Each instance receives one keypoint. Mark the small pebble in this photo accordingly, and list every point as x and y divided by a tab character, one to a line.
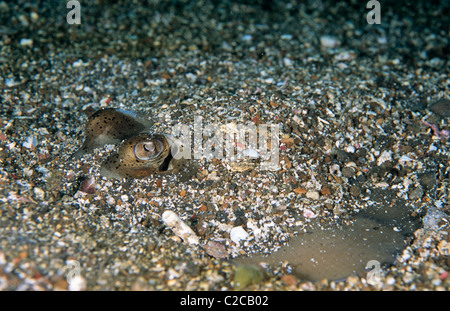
216	250
348	172
415	193
309	214
300	190
191	77
30	143
247	38
39	193
329	42
345	56
88	185
444	248
34	17
390	280
286	36
287	62
325	191
313	195
290	280
355	191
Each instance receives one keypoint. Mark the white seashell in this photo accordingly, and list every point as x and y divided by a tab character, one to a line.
287	62
237	234
404	159
78	63
350	149
30	143
335	170
385	156
179	227
26	42
247	38
351	164
297	120
382	184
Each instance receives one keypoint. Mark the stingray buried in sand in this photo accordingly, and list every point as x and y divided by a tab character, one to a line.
143	155
139	155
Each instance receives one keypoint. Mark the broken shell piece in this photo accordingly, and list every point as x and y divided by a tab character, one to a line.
110	126
238	233
179	227
405	159
385	156
88	185
335	170
30	143
143	155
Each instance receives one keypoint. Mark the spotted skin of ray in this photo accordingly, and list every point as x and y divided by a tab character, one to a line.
110	126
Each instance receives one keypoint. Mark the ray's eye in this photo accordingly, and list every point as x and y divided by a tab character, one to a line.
148	150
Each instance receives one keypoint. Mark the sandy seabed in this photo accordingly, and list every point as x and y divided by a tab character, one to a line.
361	108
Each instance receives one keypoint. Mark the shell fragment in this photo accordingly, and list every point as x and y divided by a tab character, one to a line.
179	227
